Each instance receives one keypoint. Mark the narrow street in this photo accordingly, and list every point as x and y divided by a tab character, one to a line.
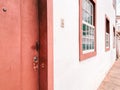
112	80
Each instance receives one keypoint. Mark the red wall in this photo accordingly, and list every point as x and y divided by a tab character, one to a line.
10	76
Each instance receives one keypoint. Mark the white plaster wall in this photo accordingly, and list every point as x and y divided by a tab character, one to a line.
69	72
118	25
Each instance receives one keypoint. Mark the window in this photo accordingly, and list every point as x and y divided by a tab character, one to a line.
113	37
107	35
87	29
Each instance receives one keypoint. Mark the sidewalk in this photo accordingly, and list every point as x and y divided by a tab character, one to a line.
112	80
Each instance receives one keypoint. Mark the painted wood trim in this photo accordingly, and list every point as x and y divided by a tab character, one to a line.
114	32
50	43
107	18
90	54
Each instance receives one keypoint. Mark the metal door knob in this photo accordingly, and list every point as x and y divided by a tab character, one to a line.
35	63
35	59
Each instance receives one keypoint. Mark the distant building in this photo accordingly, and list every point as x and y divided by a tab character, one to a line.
85	48
117	7
118	23
118	36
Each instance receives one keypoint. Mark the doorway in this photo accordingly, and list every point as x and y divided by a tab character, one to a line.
26	59
34	51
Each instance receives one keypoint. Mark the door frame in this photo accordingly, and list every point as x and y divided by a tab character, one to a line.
24	6
50	44
50	77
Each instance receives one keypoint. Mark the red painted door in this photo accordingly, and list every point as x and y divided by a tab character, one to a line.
23	29
29	38
42	9
34	44
10	41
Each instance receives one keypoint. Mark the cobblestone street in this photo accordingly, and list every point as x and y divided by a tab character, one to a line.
112	80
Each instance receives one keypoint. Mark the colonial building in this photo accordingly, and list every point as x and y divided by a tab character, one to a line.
56	44
84	49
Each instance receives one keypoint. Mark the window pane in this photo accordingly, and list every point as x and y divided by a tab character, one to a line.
83	3
84	33
107	40
87	30
83	46
87	27
89	8
92	44
84	27
87	47
89	18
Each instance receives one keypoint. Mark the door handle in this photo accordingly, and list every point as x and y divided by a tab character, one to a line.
37	46
35	59
35	63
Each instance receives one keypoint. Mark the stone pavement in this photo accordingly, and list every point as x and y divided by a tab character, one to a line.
112	80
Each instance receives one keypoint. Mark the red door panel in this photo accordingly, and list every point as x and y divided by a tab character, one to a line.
43	44
34	29
30	35
22	25
10	63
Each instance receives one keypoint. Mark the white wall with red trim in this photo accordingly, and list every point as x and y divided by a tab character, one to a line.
69	72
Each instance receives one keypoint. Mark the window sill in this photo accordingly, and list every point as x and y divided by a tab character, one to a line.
88	51
107	49
87	55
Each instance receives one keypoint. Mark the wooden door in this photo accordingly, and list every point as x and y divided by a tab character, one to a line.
10	52
42	9
29	40
23	29
34	44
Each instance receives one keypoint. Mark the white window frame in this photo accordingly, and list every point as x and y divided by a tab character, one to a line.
93	30
114	39
107	39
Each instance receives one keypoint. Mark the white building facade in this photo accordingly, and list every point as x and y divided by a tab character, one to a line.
84	43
